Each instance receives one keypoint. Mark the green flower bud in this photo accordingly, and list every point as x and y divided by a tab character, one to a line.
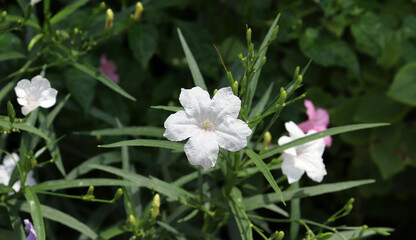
109	19
267	139
155	206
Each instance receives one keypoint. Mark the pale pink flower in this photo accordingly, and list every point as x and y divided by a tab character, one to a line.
303	158
317	120
108	68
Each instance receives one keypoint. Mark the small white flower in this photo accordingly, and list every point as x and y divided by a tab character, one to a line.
35	93
208	124
33	2
6	171
306	157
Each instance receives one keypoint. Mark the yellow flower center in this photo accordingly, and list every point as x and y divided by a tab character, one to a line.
207	125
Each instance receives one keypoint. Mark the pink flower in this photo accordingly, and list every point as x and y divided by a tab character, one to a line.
317	120
108	68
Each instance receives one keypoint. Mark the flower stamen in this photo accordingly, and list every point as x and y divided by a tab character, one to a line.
207	125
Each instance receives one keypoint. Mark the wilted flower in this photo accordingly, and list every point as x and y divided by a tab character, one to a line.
317	120
35	93
208	124
6	171
108	68
109	19
306	157
30	229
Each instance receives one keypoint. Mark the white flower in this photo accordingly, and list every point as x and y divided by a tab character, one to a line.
208	124
33	2
35	93
6	171
306	157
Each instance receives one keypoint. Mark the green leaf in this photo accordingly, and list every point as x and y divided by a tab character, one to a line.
7	235
102	159
368	31
375	106
386	149
263	200
63	218
172	230
23	126
147	131
147	143
81	86
102	78
328	52
9	55
404	84
352	234
35	212
264	169
258	109
196	74
142	42
54	185
168	108
240	216
294	214
34	40
328	132
252	84
10	42
68	10
171	191
11	112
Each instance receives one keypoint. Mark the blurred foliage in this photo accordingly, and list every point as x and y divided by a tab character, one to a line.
363	70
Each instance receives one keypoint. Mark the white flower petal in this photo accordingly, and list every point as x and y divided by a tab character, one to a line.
313	165
292	172
41	83
4	176
16	186
226	103
30	180
232	133
22	88
294	131
196	102
180	126
48	98
28	108
285	139
202	149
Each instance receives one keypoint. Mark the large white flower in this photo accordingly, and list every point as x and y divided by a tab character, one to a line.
208	124
306	157
35	93
6	171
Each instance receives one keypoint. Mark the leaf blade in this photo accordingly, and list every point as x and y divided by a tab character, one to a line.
265	171
328	132
196	74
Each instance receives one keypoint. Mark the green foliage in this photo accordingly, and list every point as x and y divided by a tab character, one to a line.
360	59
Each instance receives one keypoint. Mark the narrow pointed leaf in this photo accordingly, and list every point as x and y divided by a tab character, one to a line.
147	131
33	206
54	185
147	143
196	74
63	218
328	132
168	108
240	217
103	79
264	169
263	200
102	159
